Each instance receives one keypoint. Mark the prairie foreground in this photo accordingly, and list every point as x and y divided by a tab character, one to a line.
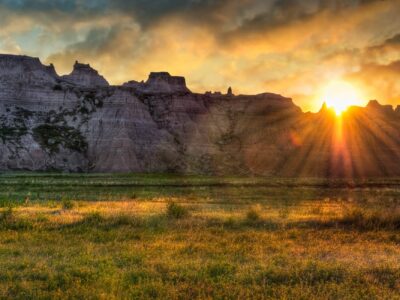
173	237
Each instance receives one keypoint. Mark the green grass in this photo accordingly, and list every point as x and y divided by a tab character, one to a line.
174	237
16	188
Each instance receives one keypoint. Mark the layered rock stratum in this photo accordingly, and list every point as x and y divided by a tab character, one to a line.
80	123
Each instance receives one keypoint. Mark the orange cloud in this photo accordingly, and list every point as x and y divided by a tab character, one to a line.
289	47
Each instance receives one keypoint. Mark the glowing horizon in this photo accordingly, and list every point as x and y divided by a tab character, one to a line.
339	95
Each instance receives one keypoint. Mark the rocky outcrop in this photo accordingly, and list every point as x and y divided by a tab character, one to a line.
376	107
134	84
163	82
80	123
17	70
159	83
85	75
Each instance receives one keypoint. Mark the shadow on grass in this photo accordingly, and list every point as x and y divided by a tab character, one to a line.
8	221
356	219
375	220
98	221
309	274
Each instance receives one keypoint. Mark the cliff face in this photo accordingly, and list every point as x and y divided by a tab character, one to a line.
80	123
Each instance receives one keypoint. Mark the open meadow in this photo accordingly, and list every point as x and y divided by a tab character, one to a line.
141	236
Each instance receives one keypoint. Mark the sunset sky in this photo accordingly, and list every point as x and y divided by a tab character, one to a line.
291	47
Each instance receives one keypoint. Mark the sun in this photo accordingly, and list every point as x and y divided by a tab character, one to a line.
339	95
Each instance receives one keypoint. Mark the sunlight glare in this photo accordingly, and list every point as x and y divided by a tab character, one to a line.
339	95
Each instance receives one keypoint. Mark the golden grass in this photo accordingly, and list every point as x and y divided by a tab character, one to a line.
133	249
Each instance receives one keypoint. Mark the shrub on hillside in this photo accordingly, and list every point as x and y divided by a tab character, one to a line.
176	211
371	220
67	204
7	215
252	216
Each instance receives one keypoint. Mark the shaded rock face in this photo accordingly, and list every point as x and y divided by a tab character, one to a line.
80	123
133	84
163	82
85	75
17	70
160	83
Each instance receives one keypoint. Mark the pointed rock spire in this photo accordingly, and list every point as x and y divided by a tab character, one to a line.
324	107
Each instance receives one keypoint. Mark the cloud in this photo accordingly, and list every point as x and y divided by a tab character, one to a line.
290	47
7	45
384	53
67	6
380	82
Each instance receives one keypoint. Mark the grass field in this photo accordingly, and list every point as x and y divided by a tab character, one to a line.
174	237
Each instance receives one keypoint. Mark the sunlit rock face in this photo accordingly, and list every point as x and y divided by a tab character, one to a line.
80	123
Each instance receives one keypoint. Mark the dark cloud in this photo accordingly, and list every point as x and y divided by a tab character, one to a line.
381	82
274	14
95	41
285	46
144	11
250	14
147	12
390	43
386	51
233	15
394	40
67	6
32	5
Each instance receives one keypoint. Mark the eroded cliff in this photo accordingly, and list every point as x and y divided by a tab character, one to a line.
79	122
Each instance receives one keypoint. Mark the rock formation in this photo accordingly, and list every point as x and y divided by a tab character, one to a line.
78	122
85	75
163	82
18	70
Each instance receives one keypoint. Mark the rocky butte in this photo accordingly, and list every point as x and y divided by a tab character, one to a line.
80	123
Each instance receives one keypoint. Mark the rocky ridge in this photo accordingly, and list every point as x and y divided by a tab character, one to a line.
78	122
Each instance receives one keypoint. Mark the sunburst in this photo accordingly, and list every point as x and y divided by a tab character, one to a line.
339	95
